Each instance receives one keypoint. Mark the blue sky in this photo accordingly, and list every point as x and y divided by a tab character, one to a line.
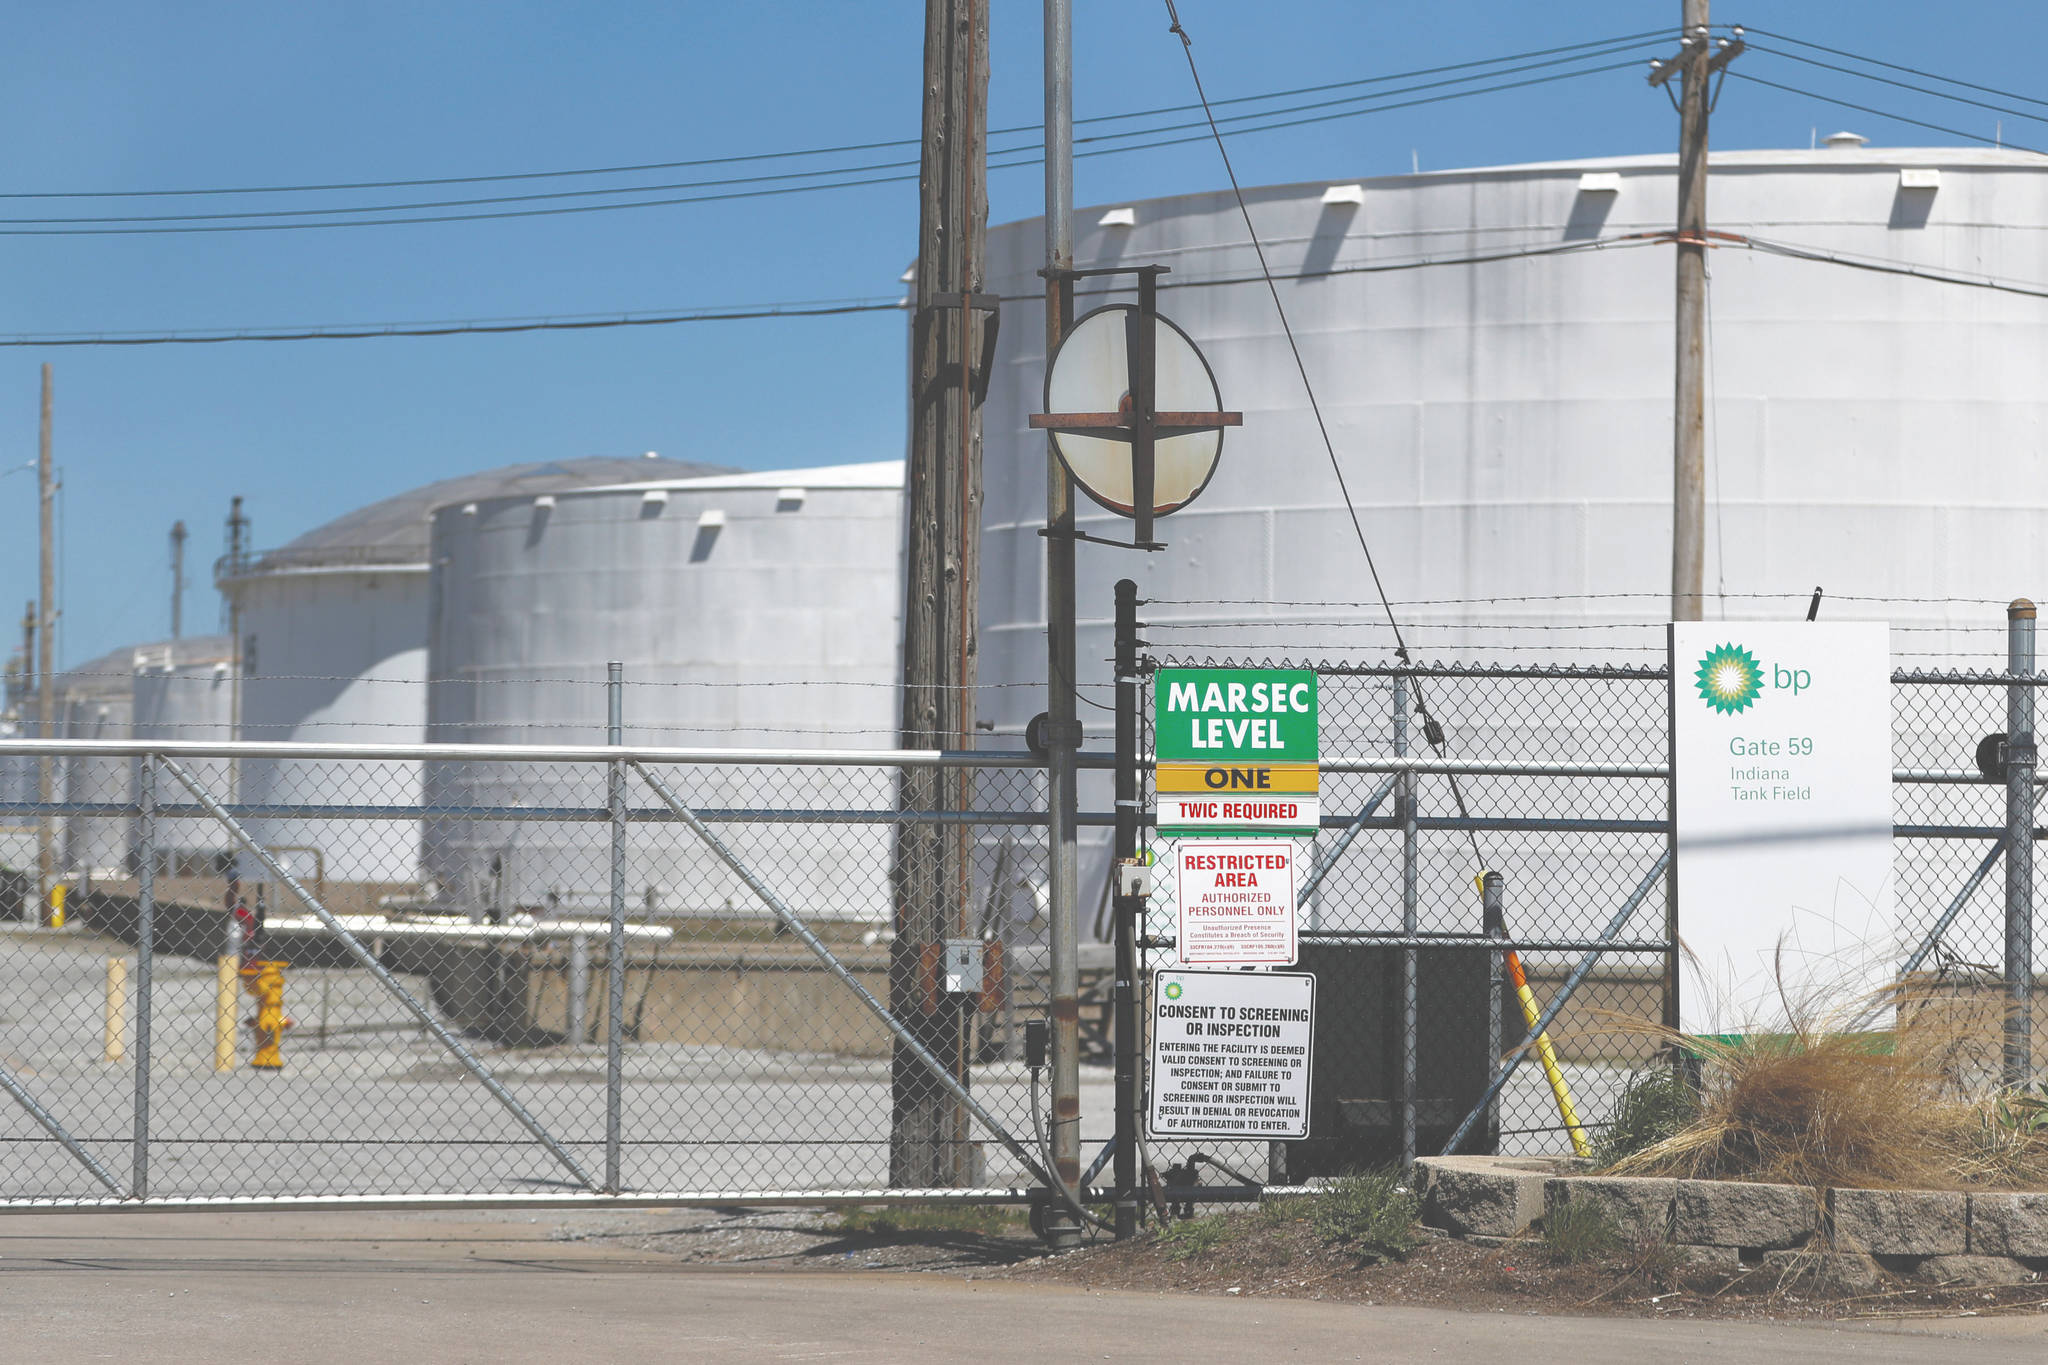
134	96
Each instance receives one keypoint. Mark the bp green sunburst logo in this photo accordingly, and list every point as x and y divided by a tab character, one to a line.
1729	679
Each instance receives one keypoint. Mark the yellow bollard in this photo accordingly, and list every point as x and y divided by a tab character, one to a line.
117	1009
265	981
56	915
224	1015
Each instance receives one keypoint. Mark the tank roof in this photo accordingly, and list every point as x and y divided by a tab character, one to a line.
394	531
113	673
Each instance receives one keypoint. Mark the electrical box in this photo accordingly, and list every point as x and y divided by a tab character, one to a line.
963	967
1133	879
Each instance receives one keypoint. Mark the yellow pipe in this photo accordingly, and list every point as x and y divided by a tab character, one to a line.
1548	1056
117	1009
224	993
1545	1054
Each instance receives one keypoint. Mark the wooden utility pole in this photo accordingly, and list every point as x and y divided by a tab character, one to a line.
46	639
1689	449
1696	63
929	1141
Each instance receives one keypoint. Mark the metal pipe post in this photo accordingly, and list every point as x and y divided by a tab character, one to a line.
145	951
1063	730
1127	909
576	1026
1405	808
615	949
2019	845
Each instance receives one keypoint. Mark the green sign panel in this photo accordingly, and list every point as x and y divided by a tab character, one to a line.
1236	750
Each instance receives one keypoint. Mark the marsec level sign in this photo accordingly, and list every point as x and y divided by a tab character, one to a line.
1231	1054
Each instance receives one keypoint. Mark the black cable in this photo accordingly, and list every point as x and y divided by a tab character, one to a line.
841	150
1893	66
547	196
816	308
1432	731
762	193
1880	113
1901	85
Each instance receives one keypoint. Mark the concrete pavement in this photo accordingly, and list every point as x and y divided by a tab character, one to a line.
370	1288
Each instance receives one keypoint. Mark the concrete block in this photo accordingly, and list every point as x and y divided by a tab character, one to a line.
1731	1213
1483	1196
2009	1224
1900	1222
1707	1258
1839	1272
1965	1270
1637	1206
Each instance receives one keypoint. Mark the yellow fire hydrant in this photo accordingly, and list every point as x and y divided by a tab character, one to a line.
264	980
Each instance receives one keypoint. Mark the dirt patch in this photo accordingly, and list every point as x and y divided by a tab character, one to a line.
1291	1261
1260	1257
813	1239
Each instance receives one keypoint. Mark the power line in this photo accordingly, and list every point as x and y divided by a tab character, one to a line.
1901	85
840	150
61	230
1881	113
1893	66
840	308
556	195
586	322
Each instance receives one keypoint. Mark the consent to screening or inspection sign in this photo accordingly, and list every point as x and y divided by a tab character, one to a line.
1782	749
1231	1054
1236	903
1236	751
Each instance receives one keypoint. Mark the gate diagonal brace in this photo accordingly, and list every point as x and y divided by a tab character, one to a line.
796	926
14	1087
377	969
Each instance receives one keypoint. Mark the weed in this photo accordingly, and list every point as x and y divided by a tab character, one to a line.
1192	1237
971	1220
1280	1213
1656	1105
1579	1231
1369	1213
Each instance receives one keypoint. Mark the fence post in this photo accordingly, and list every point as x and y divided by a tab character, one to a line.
1405	805
615	955
1128	910
2019	844
145	951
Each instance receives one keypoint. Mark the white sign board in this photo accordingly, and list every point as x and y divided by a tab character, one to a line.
1236	903
1231	1054
1781	737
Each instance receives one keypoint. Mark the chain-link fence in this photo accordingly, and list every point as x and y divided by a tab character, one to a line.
636	970
535	972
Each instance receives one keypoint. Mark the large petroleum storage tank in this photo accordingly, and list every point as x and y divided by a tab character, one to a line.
184	690
170	689
333	645
95	700
749	610
1492	350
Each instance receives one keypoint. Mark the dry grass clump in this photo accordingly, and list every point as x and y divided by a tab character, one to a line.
1824	1104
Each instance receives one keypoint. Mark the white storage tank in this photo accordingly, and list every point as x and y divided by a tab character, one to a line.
95	700
749	610
184	690
333	646
1501	406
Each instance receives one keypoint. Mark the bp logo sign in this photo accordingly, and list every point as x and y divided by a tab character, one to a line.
1173	990
1730	679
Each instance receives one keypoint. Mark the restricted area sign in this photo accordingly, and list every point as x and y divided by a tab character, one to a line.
1231	1054
1237	751
1236	903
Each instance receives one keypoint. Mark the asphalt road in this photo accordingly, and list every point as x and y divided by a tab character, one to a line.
366	1288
